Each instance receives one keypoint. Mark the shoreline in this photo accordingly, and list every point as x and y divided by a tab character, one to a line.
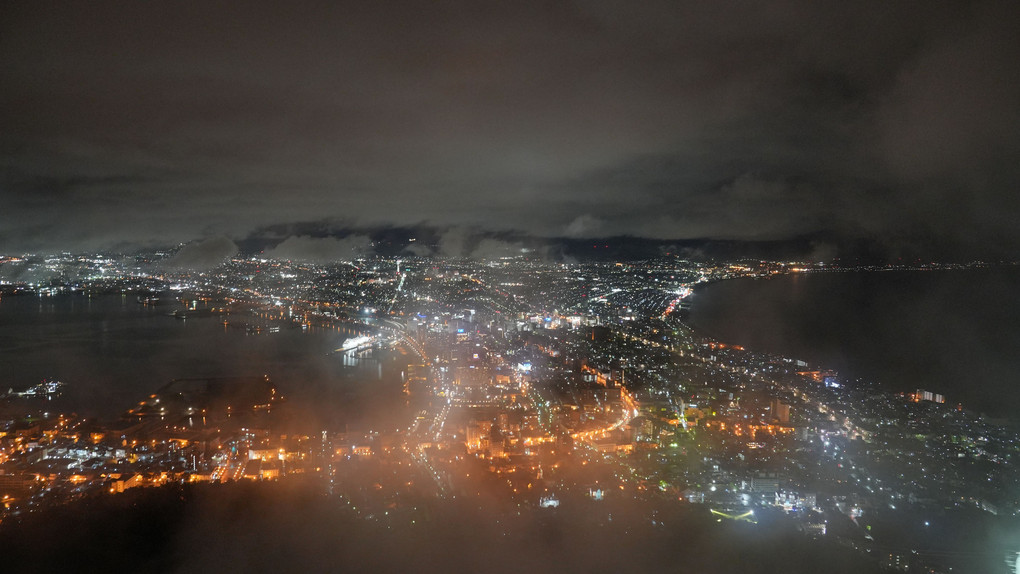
857	366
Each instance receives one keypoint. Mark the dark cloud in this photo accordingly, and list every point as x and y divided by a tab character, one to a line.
321	250
201	255
454	242
584	226
129	123
418	249
475	243
495	248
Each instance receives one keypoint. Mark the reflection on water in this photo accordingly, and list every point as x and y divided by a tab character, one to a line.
951	332
365	362
112	351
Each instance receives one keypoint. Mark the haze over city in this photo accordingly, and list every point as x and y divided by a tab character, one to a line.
546	286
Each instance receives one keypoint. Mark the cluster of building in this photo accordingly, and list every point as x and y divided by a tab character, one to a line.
536	384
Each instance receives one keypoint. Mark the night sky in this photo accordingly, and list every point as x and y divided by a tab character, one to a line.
134	124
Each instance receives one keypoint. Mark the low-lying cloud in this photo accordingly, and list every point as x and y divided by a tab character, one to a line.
321	249
203	255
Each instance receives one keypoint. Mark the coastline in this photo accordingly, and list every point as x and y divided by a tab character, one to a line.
779	322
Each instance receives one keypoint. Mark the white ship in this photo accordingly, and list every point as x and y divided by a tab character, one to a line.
355	344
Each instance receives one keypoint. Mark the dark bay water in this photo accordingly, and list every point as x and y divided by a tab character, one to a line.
952	332
113	352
